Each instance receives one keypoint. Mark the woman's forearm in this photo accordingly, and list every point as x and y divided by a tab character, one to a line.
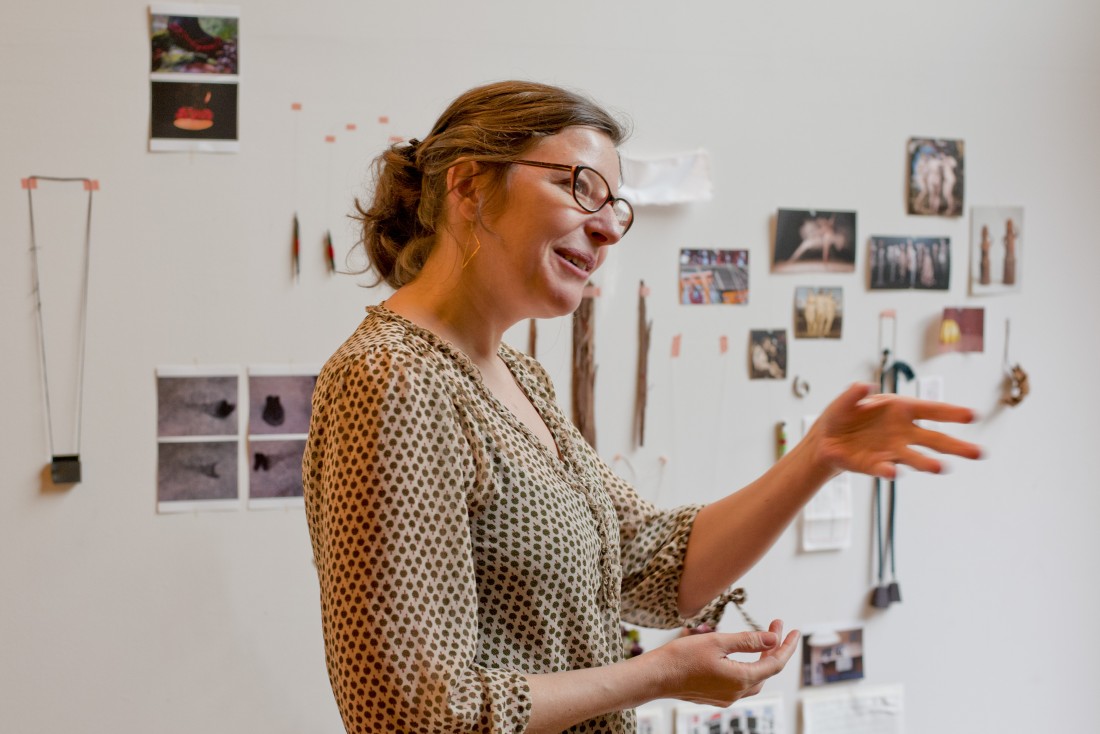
729	536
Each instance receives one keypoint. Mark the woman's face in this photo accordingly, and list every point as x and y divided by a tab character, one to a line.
539	247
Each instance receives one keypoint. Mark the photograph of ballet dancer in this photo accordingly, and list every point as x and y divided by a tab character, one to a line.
996	249
910	262
935	177
714	276
767	354
818	313
808	241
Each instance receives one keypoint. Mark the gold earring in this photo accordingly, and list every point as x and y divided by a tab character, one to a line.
466	258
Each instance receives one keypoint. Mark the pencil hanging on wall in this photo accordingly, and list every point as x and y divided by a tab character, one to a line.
645	327
295	252
584	366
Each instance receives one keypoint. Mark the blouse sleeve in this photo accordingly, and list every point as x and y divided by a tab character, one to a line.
652	547
387	473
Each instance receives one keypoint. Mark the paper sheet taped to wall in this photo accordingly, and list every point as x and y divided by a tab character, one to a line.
675	179
856	711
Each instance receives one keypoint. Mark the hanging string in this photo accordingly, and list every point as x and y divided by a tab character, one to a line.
90	186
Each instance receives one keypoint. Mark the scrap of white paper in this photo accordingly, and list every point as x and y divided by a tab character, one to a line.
676	179
860	710
827	518
763	715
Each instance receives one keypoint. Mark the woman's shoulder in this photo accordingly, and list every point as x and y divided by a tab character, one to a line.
382	346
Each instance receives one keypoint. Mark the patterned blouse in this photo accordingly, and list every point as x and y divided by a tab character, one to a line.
456	552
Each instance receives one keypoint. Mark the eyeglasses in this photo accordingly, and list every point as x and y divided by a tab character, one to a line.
591	191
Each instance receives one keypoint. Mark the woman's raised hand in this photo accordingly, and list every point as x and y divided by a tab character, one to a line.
872	434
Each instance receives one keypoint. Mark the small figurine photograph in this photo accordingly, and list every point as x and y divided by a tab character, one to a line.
280	403
808	241
818	312
714	276
996	247
767	354
935	177
898	263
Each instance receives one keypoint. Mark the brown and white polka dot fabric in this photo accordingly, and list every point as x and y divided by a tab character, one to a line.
456	553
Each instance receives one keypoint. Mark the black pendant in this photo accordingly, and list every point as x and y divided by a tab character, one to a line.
894	591
65	469
880	597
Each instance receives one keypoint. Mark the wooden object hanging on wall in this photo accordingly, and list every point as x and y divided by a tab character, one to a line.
584	367
532	338
640	387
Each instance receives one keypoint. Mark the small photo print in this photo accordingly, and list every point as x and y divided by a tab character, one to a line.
714	276
818	312
910	262
767	354
193	116
832	656
196	471
185	43
814	241
275	468
197	406
996	249
280	403
935	177
962	330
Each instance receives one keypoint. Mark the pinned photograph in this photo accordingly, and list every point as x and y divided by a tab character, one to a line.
996	248
767	354
814	241
831	656
935	177
199	423
962	330
714	276
194	75
899	263
280	403
275	468
818	312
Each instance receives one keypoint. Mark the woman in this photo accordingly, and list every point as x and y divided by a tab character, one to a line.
475	555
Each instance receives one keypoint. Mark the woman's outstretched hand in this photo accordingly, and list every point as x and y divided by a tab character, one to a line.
698	669
872	434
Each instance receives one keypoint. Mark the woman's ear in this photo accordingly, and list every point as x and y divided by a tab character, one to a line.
465	189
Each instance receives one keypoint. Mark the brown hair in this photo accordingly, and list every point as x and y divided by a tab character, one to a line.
491	124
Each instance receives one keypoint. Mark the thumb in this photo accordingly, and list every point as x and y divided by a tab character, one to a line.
747	641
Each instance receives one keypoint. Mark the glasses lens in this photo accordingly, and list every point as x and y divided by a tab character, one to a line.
590	189
624	213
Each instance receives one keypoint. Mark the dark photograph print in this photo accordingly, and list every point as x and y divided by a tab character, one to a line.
193	111
767	354
280	403
809	241
910	262
196	471
714	276
197	406
275	469
935	177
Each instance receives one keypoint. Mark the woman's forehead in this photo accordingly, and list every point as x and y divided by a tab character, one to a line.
580	146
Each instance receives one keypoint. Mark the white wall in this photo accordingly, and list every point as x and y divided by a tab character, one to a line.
117	619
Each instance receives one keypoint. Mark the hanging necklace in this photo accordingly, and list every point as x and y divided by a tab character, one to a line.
64	468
